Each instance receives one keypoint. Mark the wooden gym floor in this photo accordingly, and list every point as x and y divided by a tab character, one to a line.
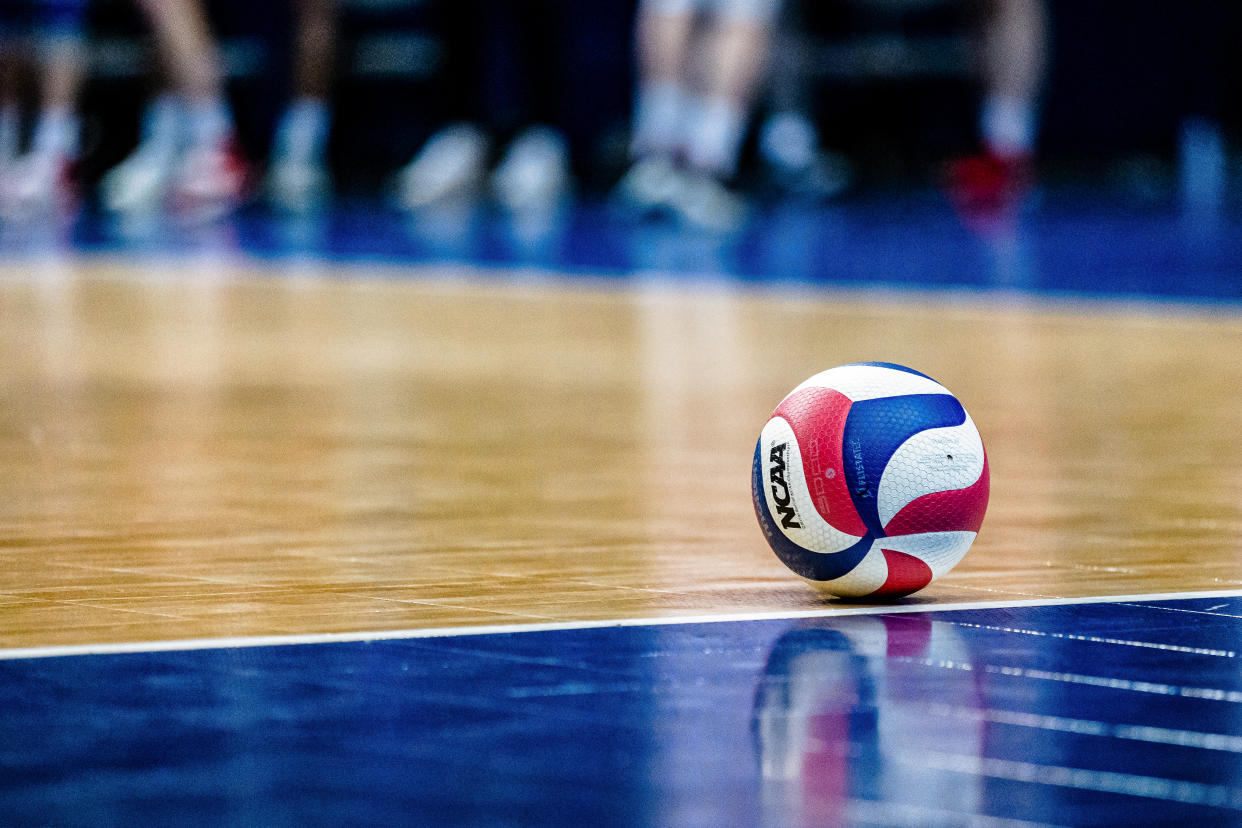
380	522
231	449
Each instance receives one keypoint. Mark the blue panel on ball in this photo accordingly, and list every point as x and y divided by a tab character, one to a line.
817	566
875	429
895	367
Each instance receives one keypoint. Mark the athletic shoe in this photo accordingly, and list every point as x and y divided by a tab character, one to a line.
140	183
704	202
989	183
649	186
534	175
210	181
451	165
297	187
37	185
794	164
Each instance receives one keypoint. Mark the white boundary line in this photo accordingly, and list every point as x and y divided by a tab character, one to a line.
497	629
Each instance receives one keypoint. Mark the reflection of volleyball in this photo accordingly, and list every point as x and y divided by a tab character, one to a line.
870	480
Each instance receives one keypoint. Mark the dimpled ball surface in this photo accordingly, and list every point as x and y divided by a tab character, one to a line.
870	480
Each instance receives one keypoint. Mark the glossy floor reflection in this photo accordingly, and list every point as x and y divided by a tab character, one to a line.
147	375
1117	714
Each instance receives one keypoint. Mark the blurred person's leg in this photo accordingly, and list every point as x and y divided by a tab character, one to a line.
142	181
699	66
43	178
732	61
205	174
726	76
788	137
1014	57
663	45
56	129
451	165
11	59
298	175
211	175
525	93
789	140
1014	51
1204	39
185	42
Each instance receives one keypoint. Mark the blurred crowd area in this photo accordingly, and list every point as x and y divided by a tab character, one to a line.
299	101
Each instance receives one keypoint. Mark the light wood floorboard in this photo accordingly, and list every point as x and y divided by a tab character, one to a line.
219	449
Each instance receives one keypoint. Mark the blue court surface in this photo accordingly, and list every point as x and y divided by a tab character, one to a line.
1070	242
1120	713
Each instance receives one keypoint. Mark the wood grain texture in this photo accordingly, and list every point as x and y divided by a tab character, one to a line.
220	449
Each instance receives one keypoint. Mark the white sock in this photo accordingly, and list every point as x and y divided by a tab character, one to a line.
659	116
716	133
209	122
1007	125
788	140
302	135
163	125
56	133
10	131
1202	159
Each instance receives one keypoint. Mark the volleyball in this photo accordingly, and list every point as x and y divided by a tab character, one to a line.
870	479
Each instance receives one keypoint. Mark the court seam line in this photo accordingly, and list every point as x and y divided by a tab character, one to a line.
225	643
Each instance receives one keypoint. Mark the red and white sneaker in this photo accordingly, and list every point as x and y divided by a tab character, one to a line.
988	184
39	185
211	181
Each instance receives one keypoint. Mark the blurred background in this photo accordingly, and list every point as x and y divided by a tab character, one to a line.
892	82
407	104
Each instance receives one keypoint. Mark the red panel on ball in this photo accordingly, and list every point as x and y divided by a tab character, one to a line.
817	417
958	510
906	574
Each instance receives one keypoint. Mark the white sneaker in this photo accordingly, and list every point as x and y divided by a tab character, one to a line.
534	174
704	202
649	185
297	187
210	181
452	164
789	149
36	185
140	183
